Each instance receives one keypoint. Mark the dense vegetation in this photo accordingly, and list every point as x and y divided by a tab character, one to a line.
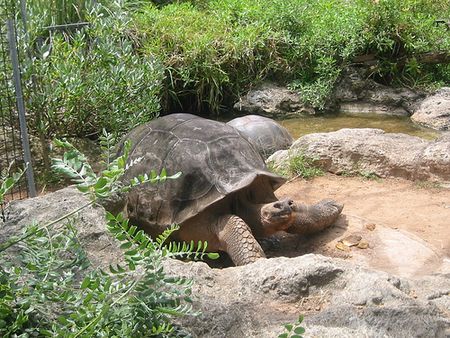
48	287
201	55
215	50
135	58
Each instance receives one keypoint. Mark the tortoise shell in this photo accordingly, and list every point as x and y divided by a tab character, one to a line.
215	161
267	135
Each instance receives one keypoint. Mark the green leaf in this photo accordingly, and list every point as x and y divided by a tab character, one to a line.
126	245
299	330
85	283
131	265
288	327
131	252
283	335
110	216
63	320
101	183
213	255
88	298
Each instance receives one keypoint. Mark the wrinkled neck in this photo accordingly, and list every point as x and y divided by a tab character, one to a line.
250	214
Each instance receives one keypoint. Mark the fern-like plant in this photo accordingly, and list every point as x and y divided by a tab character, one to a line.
49	289
294	330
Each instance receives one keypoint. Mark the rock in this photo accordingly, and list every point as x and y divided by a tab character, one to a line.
272	101
369	151
337	299
90	223
356	94
434	111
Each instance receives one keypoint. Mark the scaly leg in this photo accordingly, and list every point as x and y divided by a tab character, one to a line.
237	240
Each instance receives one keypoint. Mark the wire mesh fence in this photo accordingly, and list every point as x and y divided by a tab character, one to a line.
14	148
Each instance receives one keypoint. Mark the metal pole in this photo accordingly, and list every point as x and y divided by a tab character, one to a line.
21	107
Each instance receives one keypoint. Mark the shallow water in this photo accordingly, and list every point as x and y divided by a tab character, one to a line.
391	124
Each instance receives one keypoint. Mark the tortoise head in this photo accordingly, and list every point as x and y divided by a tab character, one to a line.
277	216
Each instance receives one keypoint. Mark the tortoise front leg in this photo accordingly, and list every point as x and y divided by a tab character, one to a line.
309	219
237	240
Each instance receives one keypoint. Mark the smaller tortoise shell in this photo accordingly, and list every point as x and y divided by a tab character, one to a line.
267	135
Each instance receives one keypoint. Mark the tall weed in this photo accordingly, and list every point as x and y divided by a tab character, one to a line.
215	50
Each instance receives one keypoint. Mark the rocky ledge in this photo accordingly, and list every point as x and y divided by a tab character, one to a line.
337	298
372	151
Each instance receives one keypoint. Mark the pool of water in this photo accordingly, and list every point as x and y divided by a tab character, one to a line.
391	124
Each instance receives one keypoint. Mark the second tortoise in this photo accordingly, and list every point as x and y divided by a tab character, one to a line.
266	134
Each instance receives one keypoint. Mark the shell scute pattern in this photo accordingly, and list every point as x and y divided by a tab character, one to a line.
215	161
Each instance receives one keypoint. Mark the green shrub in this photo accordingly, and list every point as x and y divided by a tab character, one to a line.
400	32
215	50
83	81
58	12
297	165
303	166
48	288
207	59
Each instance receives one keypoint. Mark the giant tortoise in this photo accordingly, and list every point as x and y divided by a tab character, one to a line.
266	134
225	195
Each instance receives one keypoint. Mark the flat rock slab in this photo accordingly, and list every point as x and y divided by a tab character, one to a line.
338	299
369	151
383	248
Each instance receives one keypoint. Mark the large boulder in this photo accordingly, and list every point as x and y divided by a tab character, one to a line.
434	111
90	223
337	298
272	101
372	151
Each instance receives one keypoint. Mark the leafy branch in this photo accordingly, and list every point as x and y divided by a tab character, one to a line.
48	291
293	330
8	182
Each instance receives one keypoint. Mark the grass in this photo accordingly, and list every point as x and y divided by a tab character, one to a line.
303	166
298	165
215	50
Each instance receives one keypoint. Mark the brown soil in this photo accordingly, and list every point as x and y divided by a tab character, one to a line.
405	224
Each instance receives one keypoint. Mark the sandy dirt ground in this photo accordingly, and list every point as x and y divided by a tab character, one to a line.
404	226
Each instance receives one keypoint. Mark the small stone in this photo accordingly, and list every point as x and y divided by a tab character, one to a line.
351	240
371	226
363	245
341	246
